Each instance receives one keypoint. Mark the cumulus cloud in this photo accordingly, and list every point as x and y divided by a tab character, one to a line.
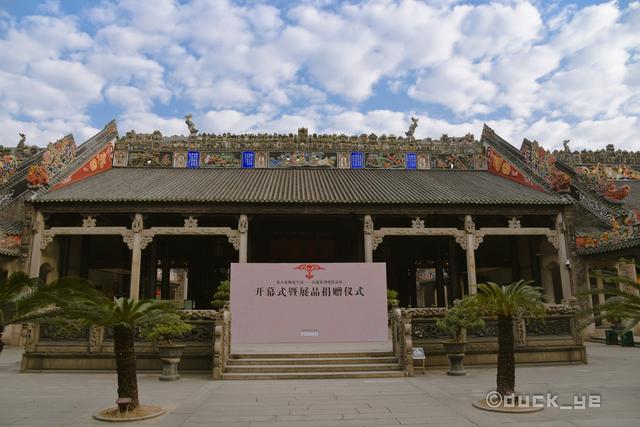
528	69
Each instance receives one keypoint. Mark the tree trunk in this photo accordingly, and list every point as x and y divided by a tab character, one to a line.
126	364
506	378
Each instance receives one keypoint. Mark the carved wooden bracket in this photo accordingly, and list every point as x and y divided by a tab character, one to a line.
128	239
88	221
514	222
47	237
477	239
234	238
553	239
191	222
377	239
417	222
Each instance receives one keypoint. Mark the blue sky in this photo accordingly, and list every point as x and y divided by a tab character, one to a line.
542	70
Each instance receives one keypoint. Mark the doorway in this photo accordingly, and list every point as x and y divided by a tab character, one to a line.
305	239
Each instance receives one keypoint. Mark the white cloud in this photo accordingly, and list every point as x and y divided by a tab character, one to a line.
534	70
498	29
223	93
458	84
143	121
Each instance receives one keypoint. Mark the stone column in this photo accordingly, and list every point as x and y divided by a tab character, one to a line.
368	239
469	227
36	245
243	229
136	254
563	260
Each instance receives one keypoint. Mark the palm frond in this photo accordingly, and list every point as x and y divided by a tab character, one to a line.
514	299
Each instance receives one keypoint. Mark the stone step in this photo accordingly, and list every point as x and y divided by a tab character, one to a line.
309	355
312	368
312	375
312	361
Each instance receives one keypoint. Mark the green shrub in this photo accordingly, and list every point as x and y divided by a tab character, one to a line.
164	332
392	299
465	315
221	295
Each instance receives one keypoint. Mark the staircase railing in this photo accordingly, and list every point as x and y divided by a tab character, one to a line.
221	343
402	340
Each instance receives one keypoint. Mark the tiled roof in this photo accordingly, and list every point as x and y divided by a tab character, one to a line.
633	199
338	186
10	252
10	226
611	247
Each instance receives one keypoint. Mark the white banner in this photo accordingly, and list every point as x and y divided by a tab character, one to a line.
324	302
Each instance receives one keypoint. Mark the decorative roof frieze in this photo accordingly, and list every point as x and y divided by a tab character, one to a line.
625	228
133	141
608	156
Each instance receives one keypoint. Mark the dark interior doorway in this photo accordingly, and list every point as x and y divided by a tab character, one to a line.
305	239
426	271
186	269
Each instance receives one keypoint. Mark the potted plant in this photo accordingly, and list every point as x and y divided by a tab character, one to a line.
221	295
464	316
170	352
392	299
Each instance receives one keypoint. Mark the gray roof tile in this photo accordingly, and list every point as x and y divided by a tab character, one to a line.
299	186
10	226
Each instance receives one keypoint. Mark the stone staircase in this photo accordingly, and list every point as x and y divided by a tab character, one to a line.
280	366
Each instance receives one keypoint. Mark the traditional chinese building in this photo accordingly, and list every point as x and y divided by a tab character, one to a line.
25	172
148	215
157	216
604	186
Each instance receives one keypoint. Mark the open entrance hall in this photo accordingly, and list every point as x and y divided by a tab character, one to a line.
174	234
426	264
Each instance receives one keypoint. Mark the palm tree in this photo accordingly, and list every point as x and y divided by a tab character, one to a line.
505	302
74	302
23	298
623	300
126	316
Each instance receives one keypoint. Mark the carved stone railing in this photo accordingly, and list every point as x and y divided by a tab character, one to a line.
46	341
222	343
402	341
558	331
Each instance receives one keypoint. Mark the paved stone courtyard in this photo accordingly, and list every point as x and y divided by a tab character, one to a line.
69	399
